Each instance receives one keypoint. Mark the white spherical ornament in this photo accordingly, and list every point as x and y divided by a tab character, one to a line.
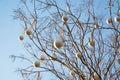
64	18
21	37
28	32
91	43
96	77
58	44
117	19
96	26
108	21
78	55
72	73
36	64
42	57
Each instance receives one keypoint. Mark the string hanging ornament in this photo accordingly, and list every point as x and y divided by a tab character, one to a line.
38	75
65	16
29	30
21	37
61	31
91	41
59	43
95	24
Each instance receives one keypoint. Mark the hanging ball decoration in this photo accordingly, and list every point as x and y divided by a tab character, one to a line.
21	37
91	43
72	73
64	18
42	57
28	32
96	77
108	21
36	64
96	26
58	44
88	27
117	19
78	55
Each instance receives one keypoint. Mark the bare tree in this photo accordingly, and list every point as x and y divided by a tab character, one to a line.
70	39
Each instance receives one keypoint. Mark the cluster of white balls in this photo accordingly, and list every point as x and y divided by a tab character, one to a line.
116	19
28	32
59	43
36	64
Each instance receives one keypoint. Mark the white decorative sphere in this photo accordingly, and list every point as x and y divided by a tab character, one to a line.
21	37
96	26
36	64
108	21
64	18
42	57
91	43
58	44
78	55
72	73
28	32
117	19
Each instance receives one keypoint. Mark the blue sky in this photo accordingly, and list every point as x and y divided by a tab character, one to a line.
9	43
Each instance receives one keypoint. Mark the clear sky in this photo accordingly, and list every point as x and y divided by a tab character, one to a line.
9	43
